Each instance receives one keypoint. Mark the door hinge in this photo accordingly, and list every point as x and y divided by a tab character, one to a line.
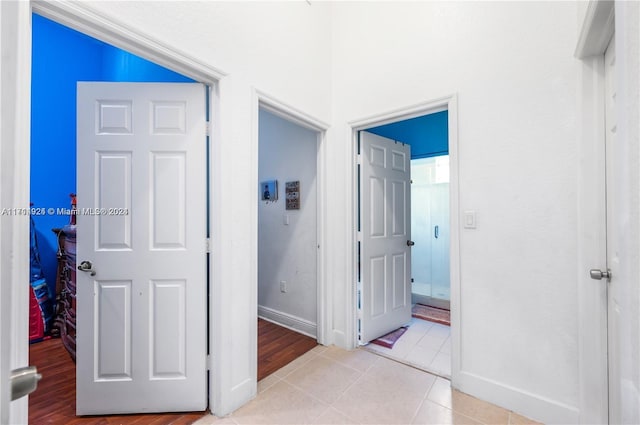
208	129
209	361
359	300
207	245
359	159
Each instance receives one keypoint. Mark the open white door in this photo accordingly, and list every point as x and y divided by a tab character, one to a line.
385	257
141	301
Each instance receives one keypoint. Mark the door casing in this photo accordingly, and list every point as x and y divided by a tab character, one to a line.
595	34
449	103
15	109
264	101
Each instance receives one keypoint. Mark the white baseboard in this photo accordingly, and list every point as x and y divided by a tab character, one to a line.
521	402
288	321
340	340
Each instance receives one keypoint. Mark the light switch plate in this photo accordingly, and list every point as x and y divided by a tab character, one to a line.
469	219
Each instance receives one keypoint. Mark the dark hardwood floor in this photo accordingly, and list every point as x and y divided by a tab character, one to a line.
54	402
278	346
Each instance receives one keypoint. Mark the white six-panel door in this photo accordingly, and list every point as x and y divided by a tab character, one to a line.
385	259
141	319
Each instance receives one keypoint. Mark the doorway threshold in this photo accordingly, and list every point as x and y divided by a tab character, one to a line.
419	298
425	346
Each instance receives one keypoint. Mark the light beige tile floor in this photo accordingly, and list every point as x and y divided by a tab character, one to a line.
329	385
425	345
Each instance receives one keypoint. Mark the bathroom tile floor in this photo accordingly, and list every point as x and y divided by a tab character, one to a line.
425	345
329	385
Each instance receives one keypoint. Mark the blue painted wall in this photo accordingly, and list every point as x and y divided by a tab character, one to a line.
123	66
428	135
61	57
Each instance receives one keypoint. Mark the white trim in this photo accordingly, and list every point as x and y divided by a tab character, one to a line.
595	33
287	112
401	114
231	384
528	404
597	29
288	321
271	104
591	227
454	249
323	301
449	103
15	113
82	17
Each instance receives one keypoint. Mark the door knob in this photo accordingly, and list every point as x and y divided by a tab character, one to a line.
598	274
86	266
24	381
410	243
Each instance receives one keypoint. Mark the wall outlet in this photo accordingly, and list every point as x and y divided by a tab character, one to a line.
283	286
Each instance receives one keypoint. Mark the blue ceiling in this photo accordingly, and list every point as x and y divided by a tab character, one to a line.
428	135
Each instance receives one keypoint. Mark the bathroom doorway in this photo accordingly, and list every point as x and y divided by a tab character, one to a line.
426	342
428	137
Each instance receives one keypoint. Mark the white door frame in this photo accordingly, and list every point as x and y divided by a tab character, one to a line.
17	77
596	31
449	103
15	113
262	100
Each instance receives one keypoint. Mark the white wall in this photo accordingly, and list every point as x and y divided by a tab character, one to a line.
288	252
512	66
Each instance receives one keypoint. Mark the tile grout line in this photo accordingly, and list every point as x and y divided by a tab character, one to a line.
402	361
310	354
426	394
330	405
349	387
346	365
362	374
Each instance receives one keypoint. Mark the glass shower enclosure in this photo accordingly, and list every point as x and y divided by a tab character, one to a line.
430	231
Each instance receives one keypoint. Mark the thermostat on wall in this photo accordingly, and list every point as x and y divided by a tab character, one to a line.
269	190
